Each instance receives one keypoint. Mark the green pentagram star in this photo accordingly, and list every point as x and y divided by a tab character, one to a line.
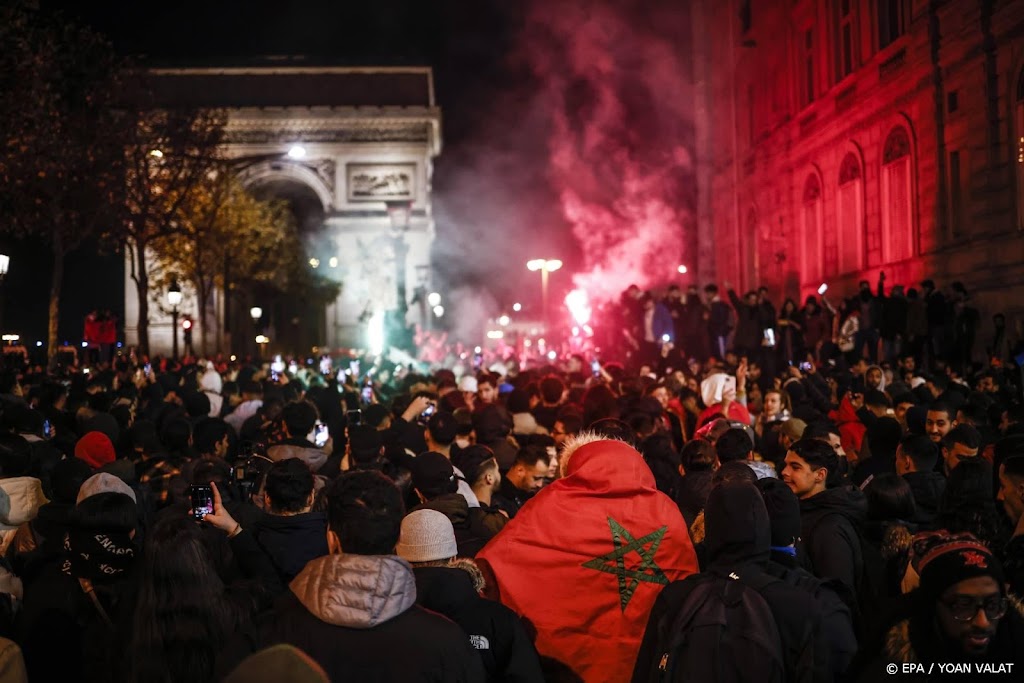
615	563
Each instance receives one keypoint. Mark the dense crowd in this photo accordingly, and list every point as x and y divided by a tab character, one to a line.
723	514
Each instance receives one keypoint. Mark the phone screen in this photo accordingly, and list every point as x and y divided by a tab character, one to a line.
429	410
595	367
368	394
321	436
201	497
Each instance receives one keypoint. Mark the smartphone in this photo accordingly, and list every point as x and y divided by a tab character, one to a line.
769	336
46	429
805	367
201	497
431	409
320	439
595	367
354	417
822	289
274	376
368	393
147	368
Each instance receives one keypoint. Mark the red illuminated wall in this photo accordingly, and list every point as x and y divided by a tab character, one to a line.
834	147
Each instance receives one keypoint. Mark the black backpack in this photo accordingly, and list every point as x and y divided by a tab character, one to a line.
724	633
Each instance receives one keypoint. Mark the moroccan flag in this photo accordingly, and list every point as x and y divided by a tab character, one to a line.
584	560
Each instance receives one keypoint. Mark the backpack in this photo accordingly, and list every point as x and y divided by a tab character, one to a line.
724	633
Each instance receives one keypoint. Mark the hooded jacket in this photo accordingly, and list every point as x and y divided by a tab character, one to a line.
471	534
737	542
353	614
20	500
554	563
830	523
927	488
851	429
314	457
292	540
494	630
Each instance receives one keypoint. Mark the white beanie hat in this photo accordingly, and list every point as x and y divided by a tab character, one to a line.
427	535
103	483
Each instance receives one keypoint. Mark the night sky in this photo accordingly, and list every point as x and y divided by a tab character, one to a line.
499	196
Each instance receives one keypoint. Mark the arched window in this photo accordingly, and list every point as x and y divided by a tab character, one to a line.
810	228
850	214
1019	117
897	197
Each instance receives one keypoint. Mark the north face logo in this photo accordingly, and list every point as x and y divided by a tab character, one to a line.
479	643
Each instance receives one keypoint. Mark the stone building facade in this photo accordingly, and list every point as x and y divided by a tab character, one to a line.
355	147
841	138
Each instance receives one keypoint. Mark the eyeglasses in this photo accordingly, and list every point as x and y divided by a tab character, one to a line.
963	608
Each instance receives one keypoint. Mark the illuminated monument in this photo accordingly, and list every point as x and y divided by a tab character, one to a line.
351	149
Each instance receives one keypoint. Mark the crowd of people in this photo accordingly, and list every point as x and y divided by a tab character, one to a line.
717	516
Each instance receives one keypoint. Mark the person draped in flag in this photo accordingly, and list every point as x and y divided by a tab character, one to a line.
584	560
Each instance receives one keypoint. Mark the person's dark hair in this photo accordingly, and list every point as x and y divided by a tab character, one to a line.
15	455
943	407
921	450
698	456
182	617
967	503
732	472
299	417
599	402
208	433
711	289
615	429
940	382
876	398
662	458
819	430
289	483
529	456
817	454
518	401
572	421
890	498
175	435
733	445
1014	467
365	511
551	389
884	436
962	434
110	512
642	424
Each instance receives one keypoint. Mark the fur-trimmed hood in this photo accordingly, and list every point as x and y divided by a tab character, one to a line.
899	646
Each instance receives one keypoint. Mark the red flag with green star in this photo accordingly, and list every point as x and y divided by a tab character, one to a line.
583	561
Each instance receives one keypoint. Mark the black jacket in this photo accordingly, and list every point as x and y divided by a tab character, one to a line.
830	523
738	541
292	541
509	498
836	620
927	488
471	532
494	630
355	615
692	494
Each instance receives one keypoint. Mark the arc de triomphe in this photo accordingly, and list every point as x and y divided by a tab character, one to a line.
362	141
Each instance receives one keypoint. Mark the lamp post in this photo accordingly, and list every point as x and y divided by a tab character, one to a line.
399	213
545	266
173	299
256	313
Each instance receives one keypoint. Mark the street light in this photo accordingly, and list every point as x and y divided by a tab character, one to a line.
256	313
545	266
173	299
262	340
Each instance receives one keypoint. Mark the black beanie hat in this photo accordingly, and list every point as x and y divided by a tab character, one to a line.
783	511
943	559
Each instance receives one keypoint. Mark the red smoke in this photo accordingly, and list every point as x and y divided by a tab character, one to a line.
617	85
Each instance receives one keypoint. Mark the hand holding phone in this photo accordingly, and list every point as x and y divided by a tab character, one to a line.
322	435
201	497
